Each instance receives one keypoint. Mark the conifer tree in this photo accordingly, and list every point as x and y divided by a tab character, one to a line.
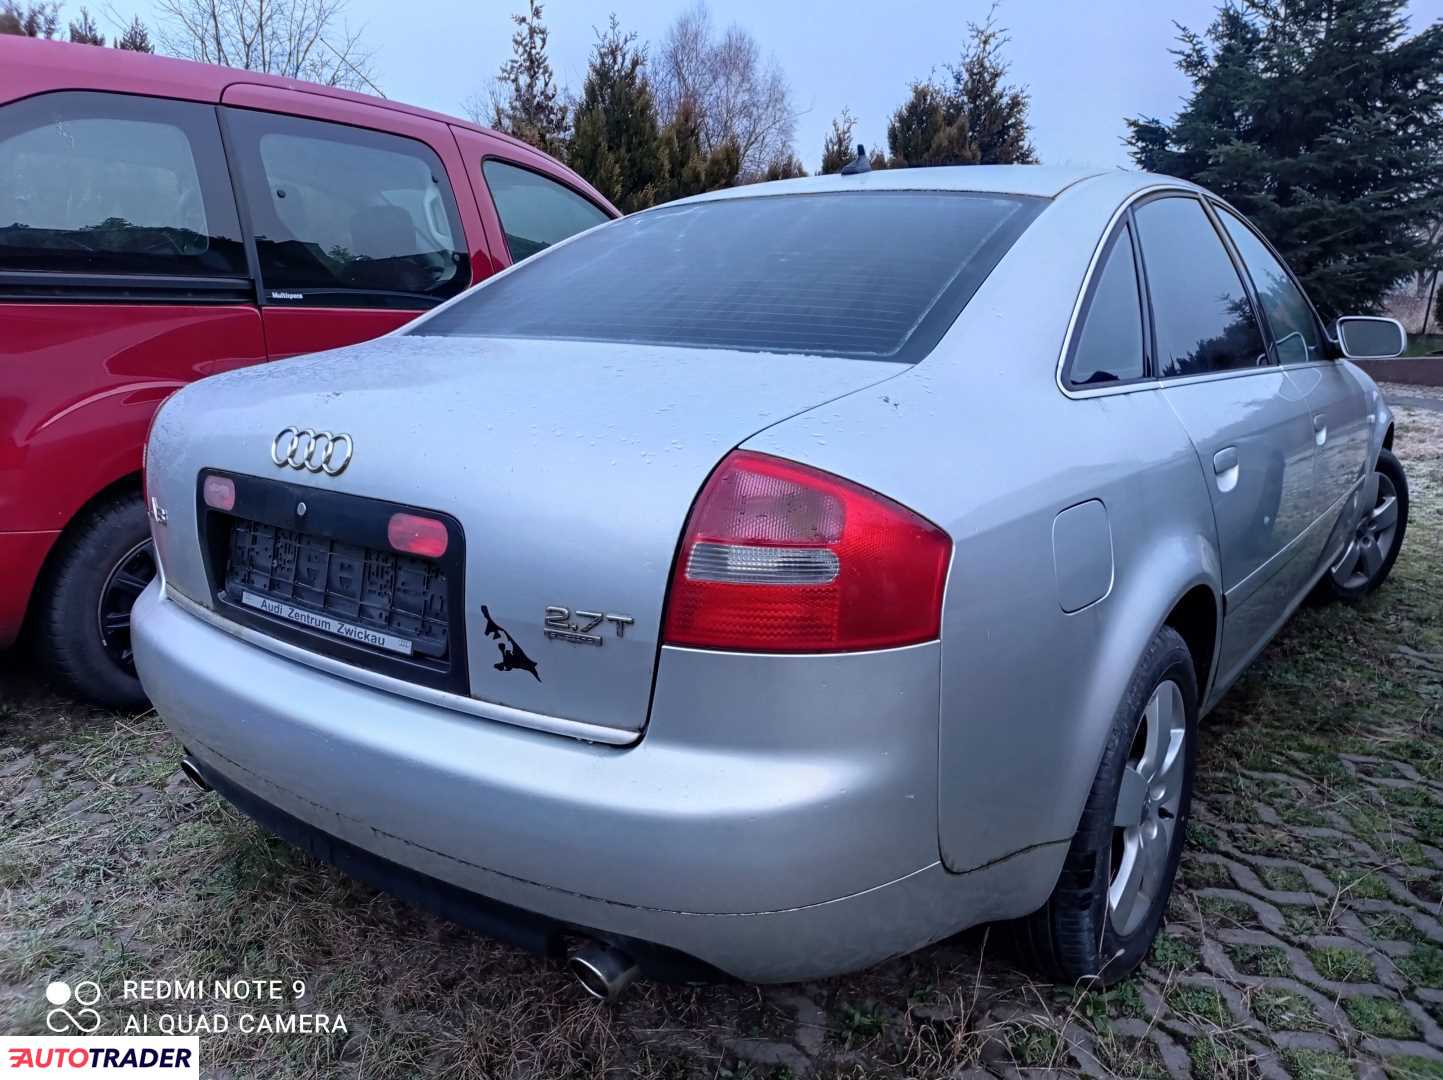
1322	120
136	38
617	144
996	112
83	30
840	146
528	105
927	131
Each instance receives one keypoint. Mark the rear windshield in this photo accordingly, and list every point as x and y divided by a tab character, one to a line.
875	275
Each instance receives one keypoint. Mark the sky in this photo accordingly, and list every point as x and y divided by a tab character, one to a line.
1087	63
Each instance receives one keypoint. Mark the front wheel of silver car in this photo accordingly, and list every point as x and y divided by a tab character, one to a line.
1372	548
1112	894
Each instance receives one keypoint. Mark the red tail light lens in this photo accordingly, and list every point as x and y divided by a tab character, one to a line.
417	535
781	557
218	492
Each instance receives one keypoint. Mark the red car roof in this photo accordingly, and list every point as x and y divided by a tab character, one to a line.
32	66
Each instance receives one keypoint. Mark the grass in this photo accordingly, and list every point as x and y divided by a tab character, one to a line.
1424	965
1284	878
1341	965
1225	910
112	868
1265	960
1283	1010
1199	1004
1034	1047
1216	1057
1381	1017
1132	1057
1317	1065
1391	926
1172	953
1424	344
1409	1067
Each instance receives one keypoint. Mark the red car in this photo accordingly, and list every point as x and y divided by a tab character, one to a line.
161	221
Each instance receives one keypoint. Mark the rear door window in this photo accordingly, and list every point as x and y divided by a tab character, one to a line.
1202	316
875	275
1109	347
536	211
104	184
347	217
1289	315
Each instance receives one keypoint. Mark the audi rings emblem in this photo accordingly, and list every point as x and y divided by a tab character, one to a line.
315	451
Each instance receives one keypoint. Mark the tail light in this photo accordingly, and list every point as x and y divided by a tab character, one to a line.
781	557
416	535
218	492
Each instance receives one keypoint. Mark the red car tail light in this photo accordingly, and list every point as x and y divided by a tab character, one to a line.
781	557
417	535
218	492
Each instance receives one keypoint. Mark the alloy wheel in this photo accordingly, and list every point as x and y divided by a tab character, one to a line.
1145	822
1373	539
127	579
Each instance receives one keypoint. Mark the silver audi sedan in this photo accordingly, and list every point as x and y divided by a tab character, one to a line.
779	580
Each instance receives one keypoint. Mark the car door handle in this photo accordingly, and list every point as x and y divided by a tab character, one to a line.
1225	464
1320	429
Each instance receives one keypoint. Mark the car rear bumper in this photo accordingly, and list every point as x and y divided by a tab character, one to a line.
591	839
22	554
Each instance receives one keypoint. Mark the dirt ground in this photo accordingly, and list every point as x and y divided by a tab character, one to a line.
1304	937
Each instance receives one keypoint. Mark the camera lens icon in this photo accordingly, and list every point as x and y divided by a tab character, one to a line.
85	992
60	994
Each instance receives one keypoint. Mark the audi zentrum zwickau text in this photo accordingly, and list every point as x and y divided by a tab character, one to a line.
780	579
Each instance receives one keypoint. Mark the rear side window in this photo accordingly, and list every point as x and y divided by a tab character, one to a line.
875	275
1290	317
535	211
1201	313
1109	348
348	217
111	184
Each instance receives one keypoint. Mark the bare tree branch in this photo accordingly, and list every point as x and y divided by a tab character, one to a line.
740	96
301	39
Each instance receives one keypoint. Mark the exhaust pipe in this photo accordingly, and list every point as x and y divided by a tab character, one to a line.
602	971
193	773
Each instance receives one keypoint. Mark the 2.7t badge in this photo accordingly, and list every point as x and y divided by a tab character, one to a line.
560	627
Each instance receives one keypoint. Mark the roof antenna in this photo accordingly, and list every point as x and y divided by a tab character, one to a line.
859	165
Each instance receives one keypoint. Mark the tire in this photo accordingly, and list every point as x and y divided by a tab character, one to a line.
1078	934
1353	576
102	560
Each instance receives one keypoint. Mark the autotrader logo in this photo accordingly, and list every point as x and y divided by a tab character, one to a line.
110	1055
84	1019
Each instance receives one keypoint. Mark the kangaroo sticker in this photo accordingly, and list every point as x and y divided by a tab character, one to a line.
513	657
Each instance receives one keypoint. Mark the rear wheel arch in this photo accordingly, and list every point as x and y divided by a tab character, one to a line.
1177	581
73	523
130	483
1196	618
1167	576
79	607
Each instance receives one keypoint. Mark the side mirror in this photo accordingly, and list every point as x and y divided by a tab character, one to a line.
1365	337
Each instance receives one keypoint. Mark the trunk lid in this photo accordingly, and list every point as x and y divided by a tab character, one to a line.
570	466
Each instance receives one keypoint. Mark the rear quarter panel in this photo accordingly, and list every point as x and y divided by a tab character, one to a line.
78	386
980	439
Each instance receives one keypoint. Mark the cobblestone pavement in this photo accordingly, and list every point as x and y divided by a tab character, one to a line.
1303	939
